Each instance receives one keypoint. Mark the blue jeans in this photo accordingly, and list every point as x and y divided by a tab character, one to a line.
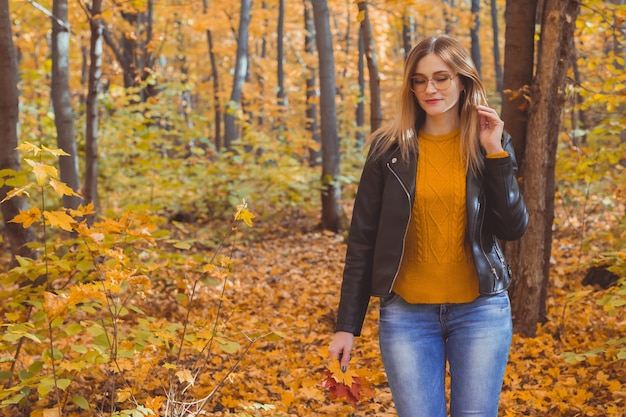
417	339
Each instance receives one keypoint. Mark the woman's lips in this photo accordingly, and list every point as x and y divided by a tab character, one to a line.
432	101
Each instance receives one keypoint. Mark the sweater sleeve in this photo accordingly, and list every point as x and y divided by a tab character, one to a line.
497	155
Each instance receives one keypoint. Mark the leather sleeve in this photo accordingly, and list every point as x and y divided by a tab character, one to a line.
357	275
506	211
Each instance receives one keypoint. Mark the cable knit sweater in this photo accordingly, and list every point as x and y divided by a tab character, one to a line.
437	265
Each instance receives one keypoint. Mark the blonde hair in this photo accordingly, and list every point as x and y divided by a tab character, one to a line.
410	117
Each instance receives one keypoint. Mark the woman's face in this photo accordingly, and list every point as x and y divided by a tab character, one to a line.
436	87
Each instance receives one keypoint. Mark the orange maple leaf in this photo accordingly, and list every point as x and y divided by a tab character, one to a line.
27	217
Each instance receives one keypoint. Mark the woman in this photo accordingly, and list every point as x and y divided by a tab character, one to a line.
437	190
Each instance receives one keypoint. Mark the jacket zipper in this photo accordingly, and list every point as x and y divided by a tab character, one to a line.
408	195
480	243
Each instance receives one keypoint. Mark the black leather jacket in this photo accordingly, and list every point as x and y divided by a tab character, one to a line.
382	209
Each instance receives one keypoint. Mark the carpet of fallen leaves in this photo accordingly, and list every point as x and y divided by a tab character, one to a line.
289	282
293	282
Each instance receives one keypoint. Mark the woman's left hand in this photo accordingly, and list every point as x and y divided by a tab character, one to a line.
491	128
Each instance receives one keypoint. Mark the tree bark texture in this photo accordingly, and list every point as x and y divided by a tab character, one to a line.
280	54
376	111
132	53
496	45
332	214
17	235
311	86
360	105
475	36
408	30
241	68
537	167
62	104
91	128
217	115
519	60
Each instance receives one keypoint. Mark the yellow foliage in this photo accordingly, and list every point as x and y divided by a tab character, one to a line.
27	217
19	191
244	214
42	171
82	293
185	375
55	305
62	189
155	403
60	219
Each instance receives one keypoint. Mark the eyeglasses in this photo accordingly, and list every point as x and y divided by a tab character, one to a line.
440	82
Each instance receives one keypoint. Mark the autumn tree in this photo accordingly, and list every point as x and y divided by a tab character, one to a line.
332	214
61	100
360	105
475	36
496	44
241	68
91	110
217	110
280	54
408	30
133	51
519	52
446	6
311	95
376	112
9	158
537	166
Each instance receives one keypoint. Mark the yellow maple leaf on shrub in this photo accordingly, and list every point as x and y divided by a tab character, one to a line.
42	171
15	192
244	214
27	217
54	305
62	188
60	219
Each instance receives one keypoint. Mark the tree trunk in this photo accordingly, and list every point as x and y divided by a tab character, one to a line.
241	68
537	168
62	103
496	45
185	107
17	235
333	218
618	48
360	105
475	36
519	58
216	96
376	111
408	30
132	52
91	130
449	23
519	65
280	54
311	91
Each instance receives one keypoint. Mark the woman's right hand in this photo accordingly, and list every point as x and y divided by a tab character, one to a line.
340	348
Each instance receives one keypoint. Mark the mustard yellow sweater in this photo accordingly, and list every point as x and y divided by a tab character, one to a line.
437	266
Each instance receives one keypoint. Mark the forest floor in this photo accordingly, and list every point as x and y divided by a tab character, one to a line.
287	284
293	283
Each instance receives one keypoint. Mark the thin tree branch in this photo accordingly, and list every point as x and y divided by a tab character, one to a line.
48	13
